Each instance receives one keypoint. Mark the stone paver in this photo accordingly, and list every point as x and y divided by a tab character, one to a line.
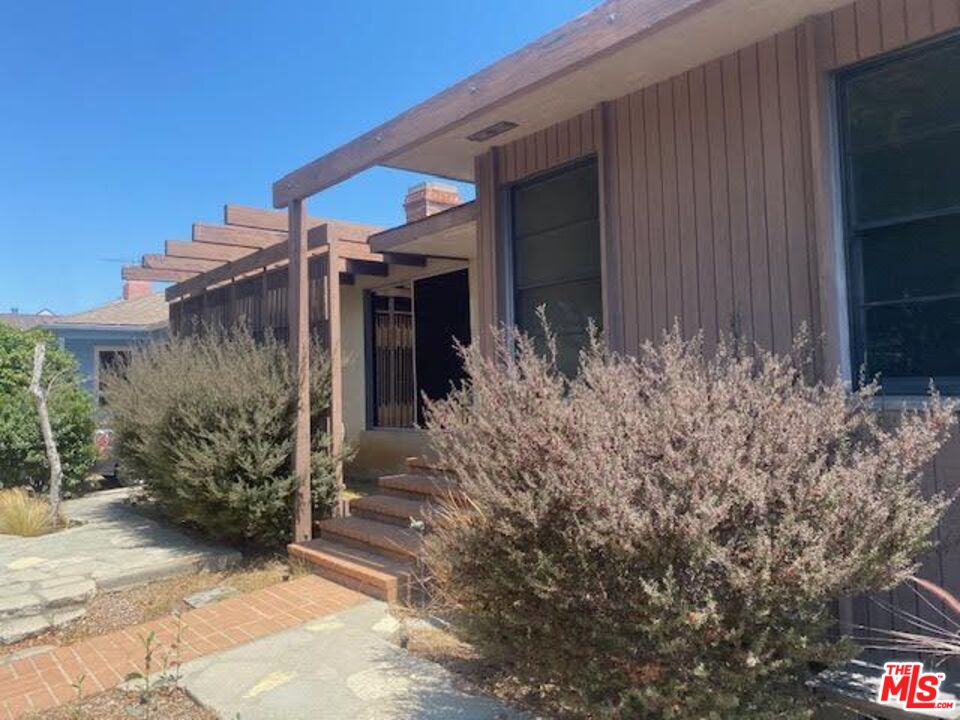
43	680
48	580
341	667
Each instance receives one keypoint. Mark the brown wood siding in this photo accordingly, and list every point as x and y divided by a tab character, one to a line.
720	211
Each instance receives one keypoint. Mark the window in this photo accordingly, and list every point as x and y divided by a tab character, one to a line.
413	328
556	257
900	145
108	360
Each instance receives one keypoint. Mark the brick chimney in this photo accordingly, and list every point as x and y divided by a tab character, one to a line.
428	198
133	289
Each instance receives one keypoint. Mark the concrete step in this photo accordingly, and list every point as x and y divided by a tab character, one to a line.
371	535
419	486
390	509
372	573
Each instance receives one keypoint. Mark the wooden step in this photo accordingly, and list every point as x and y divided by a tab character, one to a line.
390	509
372	535
372	573
414	486
422	466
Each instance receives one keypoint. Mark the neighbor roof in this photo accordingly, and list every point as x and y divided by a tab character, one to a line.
148	311
23	321
616	48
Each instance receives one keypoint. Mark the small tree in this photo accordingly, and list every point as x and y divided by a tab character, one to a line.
40	394
23	455
662	537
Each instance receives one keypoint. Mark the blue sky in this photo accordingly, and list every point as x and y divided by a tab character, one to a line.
121	123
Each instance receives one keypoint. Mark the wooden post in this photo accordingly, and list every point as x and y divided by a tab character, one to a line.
298	309
336	364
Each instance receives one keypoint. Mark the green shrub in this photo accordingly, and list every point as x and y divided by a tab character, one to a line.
662	537
23	460
207	424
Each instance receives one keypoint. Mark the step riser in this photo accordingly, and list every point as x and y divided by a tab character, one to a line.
403	522
360	544
405	494
390	590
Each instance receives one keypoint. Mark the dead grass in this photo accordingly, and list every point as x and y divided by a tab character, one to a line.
112	610
24	514
477	674
166	704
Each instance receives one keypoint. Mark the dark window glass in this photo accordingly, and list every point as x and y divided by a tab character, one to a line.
109	361
556	257
900	137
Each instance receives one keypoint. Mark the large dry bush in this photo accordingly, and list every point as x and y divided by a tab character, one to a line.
206	422
662	537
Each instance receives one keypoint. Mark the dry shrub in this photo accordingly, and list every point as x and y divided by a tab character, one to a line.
662	537
24	514
206	422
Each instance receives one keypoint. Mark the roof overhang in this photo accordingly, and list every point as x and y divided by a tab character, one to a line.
448	234
616	48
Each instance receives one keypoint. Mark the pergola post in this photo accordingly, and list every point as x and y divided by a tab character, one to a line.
298	308
336	364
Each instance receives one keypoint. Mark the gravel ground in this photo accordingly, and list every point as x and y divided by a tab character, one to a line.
166	704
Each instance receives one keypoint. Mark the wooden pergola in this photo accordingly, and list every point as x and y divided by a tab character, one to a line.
271	250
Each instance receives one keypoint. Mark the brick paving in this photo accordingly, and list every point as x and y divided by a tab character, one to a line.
44	681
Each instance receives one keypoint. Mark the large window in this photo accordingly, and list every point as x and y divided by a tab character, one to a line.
556	257
900	142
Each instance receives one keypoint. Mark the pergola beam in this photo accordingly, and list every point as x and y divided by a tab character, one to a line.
231	235
165	262
135	272
205	251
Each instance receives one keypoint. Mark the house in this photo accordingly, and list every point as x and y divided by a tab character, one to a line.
102	336
719	163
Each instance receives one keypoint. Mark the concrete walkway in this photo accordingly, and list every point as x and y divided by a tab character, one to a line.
47	580
341	667
44	680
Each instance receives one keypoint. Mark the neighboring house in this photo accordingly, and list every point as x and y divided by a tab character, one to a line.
718	163
100	337
25	321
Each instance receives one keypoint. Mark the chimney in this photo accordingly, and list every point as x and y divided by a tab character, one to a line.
428	198
133	289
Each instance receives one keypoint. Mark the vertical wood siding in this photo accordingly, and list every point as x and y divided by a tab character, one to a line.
713	207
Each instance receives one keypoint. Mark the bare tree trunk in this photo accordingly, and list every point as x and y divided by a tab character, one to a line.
53	456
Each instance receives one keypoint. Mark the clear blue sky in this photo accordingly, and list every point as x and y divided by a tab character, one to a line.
121	123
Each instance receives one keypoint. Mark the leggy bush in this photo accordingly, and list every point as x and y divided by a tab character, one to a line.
23	458
662	537
207	424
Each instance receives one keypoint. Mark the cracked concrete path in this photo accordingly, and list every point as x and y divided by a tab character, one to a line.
340	667
47	580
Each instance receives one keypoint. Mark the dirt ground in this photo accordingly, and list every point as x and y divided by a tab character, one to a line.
165	704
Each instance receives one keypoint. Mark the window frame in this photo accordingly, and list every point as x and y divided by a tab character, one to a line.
852	242
507	235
